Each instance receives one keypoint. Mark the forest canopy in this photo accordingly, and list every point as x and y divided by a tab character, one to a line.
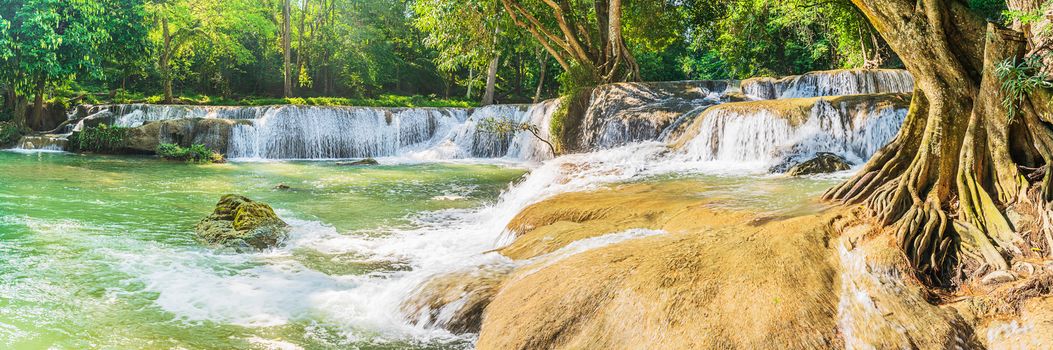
211	51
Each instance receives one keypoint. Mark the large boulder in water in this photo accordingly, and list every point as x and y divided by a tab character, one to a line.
823	163
242	224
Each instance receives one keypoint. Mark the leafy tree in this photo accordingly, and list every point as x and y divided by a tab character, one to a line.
47	44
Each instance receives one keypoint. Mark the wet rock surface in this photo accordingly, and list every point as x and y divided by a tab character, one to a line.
360	162
628	112
242	224
823	163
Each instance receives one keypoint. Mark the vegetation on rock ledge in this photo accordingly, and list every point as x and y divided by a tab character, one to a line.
103	139
196	153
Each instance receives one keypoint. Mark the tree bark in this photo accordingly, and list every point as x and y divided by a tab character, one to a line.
37	121
541	79
491	81
933	184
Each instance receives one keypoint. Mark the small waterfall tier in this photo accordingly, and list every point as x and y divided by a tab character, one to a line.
310	132
48	142
830	83
777	134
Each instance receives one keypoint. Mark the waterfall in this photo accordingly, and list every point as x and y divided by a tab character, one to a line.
133	115
766	135
50	143
830	83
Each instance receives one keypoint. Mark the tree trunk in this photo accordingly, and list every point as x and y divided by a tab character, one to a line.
286	43
491	80
540	79
36	120
166	56
932	185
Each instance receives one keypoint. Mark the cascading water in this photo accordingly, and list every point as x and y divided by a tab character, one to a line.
133	115
764	136
830	83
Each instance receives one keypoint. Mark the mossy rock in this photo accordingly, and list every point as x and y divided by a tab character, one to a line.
822	163
360	162
242	224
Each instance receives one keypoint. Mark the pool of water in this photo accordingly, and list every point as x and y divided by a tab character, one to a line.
99	252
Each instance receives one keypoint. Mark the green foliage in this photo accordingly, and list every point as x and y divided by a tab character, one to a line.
1020	78
379	101
747	38
103	138
9	133
196	153
990	9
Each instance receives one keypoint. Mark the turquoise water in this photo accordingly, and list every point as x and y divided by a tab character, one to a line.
98	252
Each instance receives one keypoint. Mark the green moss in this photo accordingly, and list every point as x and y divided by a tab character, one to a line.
242	224
104	138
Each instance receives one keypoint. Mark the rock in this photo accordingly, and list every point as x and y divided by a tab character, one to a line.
455	301
242	224
282	187
214	133
360	162
618	114
997	277
822	163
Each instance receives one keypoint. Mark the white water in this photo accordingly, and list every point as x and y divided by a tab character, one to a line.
763	137
843	82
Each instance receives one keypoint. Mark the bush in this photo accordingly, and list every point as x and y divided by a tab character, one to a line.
103	138
9	134
194	154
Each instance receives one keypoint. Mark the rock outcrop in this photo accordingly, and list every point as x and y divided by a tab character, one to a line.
456	301
621	113
214	133
242	224
823	163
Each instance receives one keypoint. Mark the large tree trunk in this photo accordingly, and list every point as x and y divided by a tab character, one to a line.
943	183
37	121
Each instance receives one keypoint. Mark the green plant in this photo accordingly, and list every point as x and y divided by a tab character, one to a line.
196	153
9	133
1019	79
102	138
